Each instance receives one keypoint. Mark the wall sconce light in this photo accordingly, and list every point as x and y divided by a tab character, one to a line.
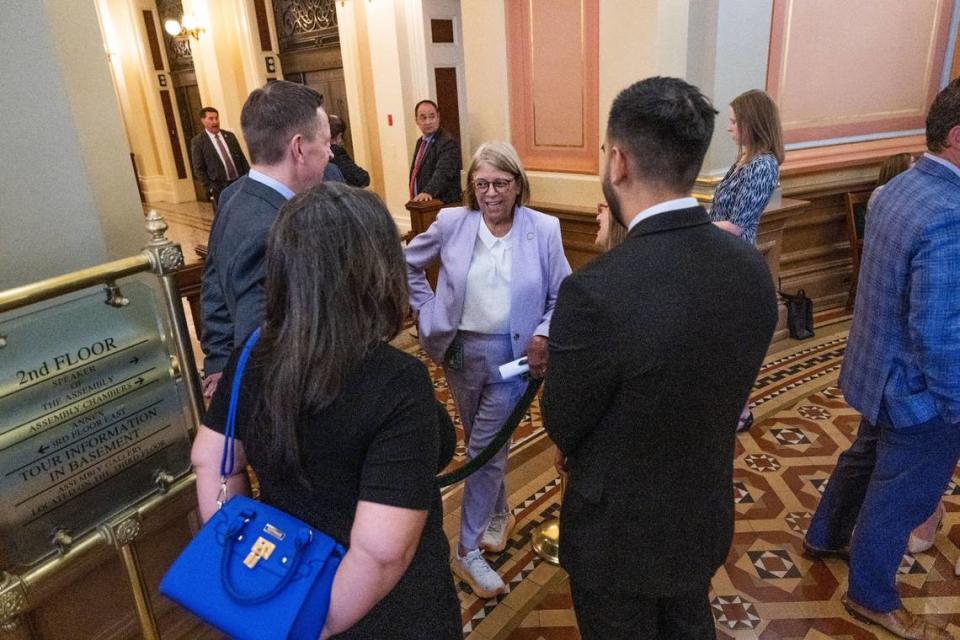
186	27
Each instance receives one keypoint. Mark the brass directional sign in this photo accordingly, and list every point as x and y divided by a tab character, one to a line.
90	414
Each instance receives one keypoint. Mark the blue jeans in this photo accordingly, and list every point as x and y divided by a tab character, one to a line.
887	482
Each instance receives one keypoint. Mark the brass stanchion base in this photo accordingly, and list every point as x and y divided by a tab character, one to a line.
545	540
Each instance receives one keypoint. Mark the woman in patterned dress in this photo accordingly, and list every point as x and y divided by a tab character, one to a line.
744	192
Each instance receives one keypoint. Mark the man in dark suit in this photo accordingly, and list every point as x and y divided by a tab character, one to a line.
288	135
901	371
217	157
435	168
653	349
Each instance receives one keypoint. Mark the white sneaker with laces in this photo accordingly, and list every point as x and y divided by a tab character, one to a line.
474	570
498	532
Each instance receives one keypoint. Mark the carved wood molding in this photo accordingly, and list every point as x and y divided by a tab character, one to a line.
179	53
306	24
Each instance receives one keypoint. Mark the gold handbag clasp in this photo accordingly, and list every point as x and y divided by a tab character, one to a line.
261	549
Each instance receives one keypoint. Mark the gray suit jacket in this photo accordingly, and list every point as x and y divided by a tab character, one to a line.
232	296
208	167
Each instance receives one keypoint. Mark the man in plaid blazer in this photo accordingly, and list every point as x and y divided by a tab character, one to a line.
902	373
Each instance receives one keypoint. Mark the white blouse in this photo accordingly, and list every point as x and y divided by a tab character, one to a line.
486	305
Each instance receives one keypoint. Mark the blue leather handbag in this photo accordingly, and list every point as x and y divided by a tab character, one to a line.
253	571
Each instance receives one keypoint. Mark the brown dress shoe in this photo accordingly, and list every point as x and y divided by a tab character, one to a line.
900	623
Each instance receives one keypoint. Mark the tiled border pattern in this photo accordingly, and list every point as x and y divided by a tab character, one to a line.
767	589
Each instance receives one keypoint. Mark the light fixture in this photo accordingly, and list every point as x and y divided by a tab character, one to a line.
186	27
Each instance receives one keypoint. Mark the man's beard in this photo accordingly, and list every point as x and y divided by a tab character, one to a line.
613	202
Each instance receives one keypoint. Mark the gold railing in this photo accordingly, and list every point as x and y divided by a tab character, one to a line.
22	593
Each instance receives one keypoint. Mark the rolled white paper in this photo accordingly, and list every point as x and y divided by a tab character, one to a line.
514	368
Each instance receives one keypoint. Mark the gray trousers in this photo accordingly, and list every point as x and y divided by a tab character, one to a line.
484	401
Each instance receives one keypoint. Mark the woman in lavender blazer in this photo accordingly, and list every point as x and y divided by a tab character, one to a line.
501	265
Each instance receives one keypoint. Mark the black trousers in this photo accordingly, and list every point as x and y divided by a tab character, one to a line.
617	615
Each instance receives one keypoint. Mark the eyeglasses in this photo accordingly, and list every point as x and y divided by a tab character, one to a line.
499	185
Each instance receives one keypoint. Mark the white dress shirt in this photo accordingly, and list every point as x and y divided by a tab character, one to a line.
663	207
274	184
486	304
213	139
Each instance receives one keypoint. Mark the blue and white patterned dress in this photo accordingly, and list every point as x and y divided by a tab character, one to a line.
744	192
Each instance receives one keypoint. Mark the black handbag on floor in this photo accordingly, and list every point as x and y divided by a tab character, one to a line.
799	314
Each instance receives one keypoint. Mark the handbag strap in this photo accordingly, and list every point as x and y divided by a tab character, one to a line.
227	459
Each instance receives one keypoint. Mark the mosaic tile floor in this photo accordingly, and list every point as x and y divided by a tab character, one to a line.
767	589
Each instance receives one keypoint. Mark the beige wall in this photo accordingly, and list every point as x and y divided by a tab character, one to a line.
138	93
228	62
637	40
68	198
386	71
226	56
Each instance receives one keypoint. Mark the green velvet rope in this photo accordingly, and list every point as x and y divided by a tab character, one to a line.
498	441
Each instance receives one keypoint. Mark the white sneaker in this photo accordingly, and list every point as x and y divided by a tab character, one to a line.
498	532
475	571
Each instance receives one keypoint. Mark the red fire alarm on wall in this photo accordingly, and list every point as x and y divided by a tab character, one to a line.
389	119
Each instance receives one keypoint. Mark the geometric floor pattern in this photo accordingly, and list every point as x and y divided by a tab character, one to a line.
766	589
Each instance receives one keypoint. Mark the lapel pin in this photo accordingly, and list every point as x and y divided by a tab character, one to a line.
530	235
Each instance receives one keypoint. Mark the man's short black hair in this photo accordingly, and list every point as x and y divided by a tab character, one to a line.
416	107
206	110
943	116
664	125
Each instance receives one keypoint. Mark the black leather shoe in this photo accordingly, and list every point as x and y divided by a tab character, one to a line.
821	554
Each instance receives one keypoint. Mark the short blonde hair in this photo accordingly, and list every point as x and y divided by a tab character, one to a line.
501	156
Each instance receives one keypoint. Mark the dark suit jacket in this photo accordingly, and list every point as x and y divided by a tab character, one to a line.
439	173
653	349
353	173
208	167
232	295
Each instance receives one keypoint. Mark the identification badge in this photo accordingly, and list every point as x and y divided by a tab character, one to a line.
454	358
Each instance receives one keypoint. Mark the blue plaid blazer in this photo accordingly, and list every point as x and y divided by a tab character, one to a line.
903	353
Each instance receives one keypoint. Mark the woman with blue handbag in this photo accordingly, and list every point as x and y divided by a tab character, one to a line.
342	430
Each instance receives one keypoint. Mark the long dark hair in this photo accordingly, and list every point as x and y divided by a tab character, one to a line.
336	286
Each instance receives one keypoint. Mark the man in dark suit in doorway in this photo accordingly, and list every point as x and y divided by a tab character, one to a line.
435	168
288	135
653	349
216	155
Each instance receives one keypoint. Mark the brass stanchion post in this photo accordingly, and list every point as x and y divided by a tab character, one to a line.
545	539
166	259
122	534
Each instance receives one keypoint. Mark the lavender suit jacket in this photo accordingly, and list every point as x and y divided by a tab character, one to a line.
539	266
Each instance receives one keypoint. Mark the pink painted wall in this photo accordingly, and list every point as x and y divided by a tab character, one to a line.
553	68
855	67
